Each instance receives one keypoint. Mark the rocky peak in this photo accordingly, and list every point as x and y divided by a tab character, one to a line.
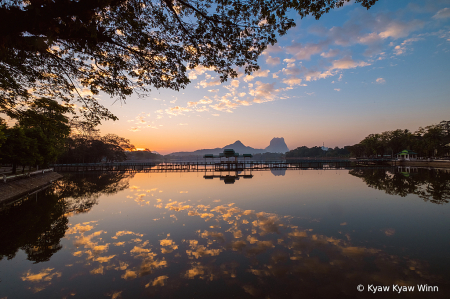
277	145
238	143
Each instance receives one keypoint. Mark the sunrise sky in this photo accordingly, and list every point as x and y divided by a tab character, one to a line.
336	80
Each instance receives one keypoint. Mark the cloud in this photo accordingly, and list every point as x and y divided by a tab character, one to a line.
225	105
205	100
272	49
340	64
442	14
202	109
337	89
198	70
397	29
380	81
398	50
177	110
401	49
304	52
291	70
291	81
289	60
264	92
347	63
259	73
362	28
317	30
205	84
330	53
273	60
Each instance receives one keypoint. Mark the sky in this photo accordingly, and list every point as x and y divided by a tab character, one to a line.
335	80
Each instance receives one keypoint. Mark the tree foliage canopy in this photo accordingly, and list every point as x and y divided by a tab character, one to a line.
316	151
39	135
433	140
85	145
56	48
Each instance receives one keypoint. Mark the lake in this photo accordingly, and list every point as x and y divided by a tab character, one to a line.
264	234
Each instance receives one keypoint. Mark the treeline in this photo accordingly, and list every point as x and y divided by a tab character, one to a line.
146	154
317	152
268	157
85	145
43	134
431	141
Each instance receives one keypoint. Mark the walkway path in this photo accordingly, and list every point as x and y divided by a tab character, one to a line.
20	187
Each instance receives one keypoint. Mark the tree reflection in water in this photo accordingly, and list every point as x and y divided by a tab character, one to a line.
430	185
40	222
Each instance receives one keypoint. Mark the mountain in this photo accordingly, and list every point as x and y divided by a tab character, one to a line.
277	145
240	148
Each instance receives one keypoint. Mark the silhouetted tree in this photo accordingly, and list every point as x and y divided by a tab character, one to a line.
2	131
39	135
429	141
18	148
50	126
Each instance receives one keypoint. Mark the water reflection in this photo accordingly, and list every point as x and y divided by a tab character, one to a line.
81	191
36	227
430	185
241	253
228	177
40	222
171	243
278	171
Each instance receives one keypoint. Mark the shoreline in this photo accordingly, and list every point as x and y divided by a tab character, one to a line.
433	164
16	189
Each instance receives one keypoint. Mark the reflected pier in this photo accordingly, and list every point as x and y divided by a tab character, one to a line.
228	178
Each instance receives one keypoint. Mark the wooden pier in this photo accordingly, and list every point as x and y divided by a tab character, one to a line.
219	166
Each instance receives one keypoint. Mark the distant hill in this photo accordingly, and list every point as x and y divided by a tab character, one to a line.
277	145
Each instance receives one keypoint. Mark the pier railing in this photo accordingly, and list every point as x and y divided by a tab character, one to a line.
22	175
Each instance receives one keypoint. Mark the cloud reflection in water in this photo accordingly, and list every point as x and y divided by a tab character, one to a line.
263	245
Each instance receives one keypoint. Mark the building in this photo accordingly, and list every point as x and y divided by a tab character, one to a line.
407	155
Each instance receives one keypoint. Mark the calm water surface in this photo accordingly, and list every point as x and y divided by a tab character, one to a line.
271	234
